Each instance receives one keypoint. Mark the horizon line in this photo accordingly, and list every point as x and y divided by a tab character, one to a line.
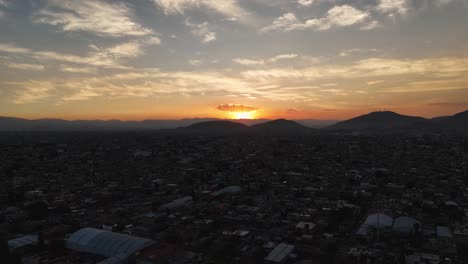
217	118
175	119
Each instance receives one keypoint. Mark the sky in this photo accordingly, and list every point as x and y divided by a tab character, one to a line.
171	59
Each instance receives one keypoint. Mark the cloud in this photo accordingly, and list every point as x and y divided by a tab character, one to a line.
129	49
152	41
431	85
442	67
65	68
108	57
286	22
288	83
32	91
235	108
371	25
11	48
143	83
94	59
348	52
375	82
248	62
331	90
82	94
97	17
228	8
195	62
26	67
338	16
441	73
202	31
283	57
251	62
392	7
305	2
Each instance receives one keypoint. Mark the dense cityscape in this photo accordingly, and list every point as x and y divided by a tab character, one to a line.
156	197
233	132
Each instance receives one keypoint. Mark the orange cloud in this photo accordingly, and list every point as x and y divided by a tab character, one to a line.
236	108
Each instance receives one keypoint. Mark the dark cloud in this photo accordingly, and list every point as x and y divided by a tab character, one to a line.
292	110
236	108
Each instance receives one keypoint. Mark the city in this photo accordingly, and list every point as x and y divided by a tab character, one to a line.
233	132
156	197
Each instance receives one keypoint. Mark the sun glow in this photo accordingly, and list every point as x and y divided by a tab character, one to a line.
243	115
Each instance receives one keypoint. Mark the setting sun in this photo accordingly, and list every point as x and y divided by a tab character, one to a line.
243	115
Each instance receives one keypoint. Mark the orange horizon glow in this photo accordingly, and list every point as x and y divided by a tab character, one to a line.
243	115
263	113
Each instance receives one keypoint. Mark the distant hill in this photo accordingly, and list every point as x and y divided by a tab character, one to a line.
456	122
314	123
378	121
280	125
10	122
208	125
18	124
373	121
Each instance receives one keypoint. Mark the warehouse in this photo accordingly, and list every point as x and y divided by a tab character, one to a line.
116	247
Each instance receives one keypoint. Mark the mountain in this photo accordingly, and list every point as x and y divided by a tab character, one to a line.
11	122
372	121
18	124
378	121
280	125
314	123
215	125
456	122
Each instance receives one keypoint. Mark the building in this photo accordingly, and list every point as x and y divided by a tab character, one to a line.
116	247
280	253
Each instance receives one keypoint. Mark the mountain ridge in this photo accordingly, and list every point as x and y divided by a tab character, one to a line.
378	121
387	120
50	124
383	120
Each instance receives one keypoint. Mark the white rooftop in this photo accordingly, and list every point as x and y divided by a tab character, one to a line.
104	243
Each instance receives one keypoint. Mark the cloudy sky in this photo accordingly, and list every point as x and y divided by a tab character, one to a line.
325	59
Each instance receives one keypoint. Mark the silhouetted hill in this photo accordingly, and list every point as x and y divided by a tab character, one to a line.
439	118
12	122
456	122
314	123
280	126
378	121
372	121
19	124
217	125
